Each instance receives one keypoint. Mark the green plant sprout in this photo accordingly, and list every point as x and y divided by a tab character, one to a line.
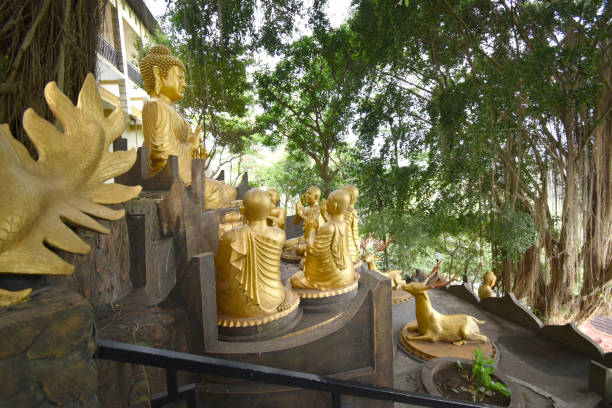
482	369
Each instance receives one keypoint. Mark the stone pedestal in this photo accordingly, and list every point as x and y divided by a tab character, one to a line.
46	352
426	350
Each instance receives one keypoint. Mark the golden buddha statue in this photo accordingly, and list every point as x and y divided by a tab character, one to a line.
328	264
278	215
248	266
486	289
166	132
352	221
312	216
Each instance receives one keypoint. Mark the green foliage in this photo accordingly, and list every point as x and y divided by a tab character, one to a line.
307	99
514	231
290	176
482	369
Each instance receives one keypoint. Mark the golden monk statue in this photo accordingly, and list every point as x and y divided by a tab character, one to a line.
247	263
231	220
352	221
486	289
312	216
328	263
166	132
278	215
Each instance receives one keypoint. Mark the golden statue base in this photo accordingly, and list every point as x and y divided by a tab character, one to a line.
400	296
261	327
426	350
314	300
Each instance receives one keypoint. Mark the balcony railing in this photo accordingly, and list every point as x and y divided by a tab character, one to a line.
134	74
173	361
106	50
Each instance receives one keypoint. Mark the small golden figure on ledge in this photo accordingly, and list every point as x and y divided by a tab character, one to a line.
278	215
328	263
486	289
249	288
433	326
166	132
352	221
397	281
312	215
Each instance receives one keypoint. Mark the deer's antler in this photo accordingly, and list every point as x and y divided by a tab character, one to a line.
440	282
384	246
434	270
364	246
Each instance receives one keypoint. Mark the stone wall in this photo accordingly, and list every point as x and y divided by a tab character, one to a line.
46	358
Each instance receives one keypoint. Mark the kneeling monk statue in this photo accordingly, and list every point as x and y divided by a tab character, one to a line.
166	132
247	262
328	263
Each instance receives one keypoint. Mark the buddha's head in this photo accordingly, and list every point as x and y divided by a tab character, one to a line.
163	74
274	197
256	204
337	202
312	195
353	191
489	279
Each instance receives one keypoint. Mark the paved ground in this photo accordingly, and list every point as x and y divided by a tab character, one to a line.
603	324
548	374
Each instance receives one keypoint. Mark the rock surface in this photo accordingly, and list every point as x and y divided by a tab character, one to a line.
46	358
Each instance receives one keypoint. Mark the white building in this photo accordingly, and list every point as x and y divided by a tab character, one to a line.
124	22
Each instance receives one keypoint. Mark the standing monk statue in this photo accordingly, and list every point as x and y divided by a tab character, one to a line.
166	132
278	215
313	216
352	223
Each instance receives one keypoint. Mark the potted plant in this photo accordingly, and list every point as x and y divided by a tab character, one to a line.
476	380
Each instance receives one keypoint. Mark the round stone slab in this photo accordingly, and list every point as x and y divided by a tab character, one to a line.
426	350
400	296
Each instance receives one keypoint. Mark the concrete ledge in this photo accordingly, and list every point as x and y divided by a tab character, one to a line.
608	360
464	292
600	380
573	338
511	309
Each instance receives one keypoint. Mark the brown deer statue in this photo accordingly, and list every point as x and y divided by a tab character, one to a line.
433	326
370	258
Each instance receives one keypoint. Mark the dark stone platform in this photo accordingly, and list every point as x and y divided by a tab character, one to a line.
356	340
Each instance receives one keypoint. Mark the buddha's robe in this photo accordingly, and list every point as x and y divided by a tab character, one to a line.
352	224
328	264
167	133
248	272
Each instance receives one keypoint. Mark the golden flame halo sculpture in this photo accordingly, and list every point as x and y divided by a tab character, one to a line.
66	185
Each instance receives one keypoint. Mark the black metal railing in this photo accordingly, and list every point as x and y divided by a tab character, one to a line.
106	50
134	74
174	361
